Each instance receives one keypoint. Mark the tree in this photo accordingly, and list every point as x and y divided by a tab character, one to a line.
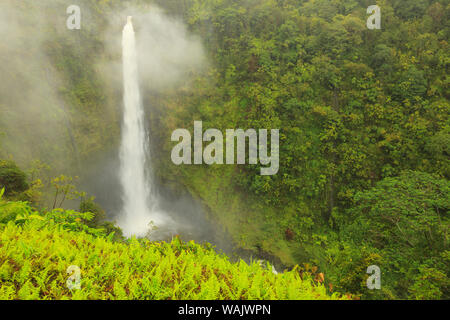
405	219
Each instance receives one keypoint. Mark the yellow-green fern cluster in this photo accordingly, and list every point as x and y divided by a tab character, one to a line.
36	251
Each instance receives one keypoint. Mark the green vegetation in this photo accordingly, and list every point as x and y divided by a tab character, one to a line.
55	108
36	249
12	178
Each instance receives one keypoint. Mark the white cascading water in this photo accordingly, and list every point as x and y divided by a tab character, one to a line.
138	203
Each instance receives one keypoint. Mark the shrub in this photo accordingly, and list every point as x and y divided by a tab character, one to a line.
12	178
405	221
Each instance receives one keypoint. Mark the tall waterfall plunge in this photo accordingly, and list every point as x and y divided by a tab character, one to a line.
139	203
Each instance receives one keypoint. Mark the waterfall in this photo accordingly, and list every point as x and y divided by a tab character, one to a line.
138	202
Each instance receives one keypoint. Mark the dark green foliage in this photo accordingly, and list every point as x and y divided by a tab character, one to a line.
410	212
12	179
404	221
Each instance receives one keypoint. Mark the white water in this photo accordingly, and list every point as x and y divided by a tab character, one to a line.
139	205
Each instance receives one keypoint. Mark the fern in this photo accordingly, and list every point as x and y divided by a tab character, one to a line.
36	250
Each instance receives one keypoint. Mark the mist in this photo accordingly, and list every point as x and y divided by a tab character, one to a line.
33	120
168	57
168	54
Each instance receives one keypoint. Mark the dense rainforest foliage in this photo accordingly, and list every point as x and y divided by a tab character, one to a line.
364	124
